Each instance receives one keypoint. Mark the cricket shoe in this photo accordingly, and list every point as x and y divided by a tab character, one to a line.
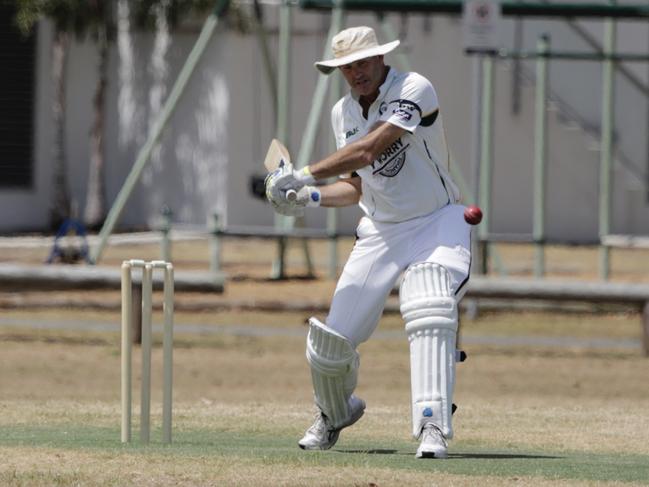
322	436
433	444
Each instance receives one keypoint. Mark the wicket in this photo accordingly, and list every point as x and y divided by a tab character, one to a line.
167	347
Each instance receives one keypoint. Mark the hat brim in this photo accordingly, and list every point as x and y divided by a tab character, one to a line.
328	66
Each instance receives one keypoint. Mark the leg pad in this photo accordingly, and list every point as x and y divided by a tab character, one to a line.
430	315
334	370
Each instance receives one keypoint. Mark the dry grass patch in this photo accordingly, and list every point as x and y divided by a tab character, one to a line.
528	416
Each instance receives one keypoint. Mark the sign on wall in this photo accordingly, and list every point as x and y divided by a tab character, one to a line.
480	23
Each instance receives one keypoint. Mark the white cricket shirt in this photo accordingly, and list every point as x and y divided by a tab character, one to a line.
410	178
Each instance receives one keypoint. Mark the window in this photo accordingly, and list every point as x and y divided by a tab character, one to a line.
17	58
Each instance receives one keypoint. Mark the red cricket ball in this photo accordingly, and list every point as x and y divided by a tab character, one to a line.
472	215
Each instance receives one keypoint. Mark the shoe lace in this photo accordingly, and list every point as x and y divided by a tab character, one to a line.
432	434
319	426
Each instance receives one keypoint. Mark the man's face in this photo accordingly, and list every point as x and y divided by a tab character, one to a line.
365	75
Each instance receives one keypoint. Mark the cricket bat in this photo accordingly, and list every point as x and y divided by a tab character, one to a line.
276	157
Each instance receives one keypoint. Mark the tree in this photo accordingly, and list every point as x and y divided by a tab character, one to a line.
146	11
94	18
102	25
80	17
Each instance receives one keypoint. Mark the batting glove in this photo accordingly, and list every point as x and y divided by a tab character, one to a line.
284	179
308	197
287	208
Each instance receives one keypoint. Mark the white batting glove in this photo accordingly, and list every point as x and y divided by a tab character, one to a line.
286	179
287	208
306	197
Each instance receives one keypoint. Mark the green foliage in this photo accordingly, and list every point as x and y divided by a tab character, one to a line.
96	17
27	14
145	11
82	17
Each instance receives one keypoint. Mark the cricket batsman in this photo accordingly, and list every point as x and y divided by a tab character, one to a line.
392	160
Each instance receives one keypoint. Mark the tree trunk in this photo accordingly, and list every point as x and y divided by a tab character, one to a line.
95	209
60	203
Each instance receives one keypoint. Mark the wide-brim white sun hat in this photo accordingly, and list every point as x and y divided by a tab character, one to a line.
353	44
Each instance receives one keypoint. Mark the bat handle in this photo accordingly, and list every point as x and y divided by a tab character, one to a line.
291	195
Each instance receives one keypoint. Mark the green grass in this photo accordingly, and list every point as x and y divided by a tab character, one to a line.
280	451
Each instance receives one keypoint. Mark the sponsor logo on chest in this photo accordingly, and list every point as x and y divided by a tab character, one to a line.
351	133
391	160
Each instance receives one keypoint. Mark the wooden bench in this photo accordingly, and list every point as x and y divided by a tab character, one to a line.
56	277
632	295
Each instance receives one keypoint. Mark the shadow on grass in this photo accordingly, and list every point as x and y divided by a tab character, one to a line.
485	456
501	456
374	452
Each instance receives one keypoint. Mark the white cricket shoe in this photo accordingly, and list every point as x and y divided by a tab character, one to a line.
322	436
433	444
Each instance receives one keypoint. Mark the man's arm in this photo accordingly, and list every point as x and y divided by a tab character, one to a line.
345	192
358	154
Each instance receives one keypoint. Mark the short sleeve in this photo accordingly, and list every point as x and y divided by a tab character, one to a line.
337	124
410	103
337	127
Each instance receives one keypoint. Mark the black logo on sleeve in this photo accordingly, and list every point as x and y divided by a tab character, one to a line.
404	109
391	160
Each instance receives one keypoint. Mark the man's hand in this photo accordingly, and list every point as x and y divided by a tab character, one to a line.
287	208
307	196
284	179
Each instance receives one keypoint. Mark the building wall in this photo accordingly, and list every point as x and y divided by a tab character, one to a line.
218	135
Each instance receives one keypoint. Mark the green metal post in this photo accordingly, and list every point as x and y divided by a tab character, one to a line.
332	233
167	110
284	68
283	131
606	155
390	35
332	213
486	156
540	155
313	121
335	92
571	9
476	140
310	269
165	230
311	129
262	39
215	243
283	88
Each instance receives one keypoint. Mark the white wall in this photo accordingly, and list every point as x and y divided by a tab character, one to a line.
219	133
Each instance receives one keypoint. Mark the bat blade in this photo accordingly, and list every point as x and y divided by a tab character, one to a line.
278	156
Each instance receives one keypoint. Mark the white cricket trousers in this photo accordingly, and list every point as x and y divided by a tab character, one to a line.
382	252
